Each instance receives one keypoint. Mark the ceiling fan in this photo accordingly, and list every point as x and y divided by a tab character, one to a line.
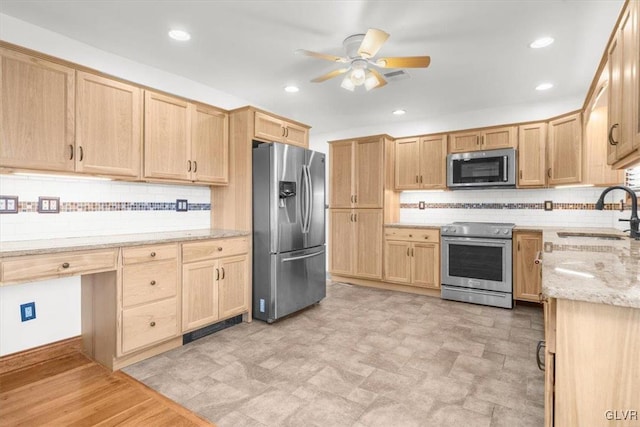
361	50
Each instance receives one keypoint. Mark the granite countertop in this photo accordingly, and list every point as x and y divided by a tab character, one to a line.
408	225
591	269
47	246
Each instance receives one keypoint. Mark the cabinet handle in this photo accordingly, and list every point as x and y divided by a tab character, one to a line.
152	324
356	198
611	140
217	274
355	217
283	131
482	139
416	179
549	172
81	153
189	163
520	174
477	140
420	179
152	283
286	135
152	254
518	245
222	273
65	265
195	166
71	149
407	251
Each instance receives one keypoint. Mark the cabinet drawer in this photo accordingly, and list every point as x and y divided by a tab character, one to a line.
210	249
412	234
149	253
148	282
54	265
148	324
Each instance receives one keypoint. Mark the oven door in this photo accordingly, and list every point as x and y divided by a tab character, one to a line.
477	263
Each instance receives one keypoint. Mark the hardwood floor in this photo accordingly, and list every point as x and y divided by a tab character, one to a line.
72	390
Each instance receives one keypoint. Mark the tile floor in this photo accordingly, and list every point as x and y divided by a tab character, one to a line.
363	357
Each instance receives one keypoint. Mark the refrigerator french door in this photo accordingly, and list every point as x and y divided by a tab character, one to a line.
288	229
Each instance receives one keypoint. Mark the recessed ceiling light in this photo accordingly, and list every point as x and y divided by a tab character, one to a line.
291	89
541	42
399	112
179	35
544	86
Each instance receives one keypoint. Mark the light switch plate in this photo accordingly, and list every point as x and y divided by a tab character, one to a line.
27	311
48	204
182	205
8	204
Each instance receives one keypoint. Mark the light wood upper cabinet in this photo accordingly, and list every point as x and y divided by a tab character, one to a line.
209	144
483	139
564	154
37	114
167	137
532	144
421	162
527	274
356	173
412	257
108	126
273	129
356	242
624	84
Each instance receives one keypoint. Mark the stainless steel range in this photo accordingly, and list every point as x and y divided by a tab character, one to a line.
477	263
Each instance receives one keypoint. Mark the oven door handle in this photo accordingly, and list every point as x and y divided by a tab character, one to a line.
479	241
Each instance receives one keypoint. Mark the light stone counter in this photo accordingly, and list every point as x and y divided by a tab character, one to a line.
590	269
48	246
408	225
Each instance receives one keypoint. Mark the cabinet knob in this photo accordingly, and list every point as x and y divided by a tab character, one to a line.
219	248
153	254
153	283
65	265
152	324
426	237
410	235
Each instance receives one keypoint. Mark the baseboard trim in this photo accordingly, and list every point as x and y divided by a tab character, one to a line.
33	356
386	285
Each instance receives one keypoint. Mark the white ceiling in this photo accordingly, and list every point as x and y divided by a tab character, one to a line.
479	49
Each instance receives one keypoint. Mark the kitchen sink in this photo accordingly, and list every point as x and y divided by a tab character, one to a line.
601	236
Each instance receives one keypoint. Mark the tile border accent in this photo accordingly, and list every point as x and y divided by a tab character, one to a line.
526	206
114	206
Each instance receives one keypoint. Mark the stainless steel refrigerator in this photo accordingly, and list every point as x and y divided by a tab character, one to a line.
289	270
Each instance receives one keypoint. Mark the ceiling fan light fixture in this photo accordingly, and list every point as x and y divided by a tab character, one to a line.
371	82
347	84
358	76
541	42
180	35
381	63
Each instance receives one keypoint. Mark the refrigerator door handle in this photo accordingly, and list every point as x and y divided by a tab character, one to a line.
306	199
296	258
310	198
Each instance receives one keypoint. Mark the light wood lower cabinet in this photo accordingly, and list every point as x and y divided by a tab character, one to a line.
215	281
412	257
356	242
527	274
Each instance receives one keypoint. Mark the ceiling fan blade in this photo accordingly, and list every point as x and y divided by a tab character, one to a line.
372	42
330	75
404	62
379	78
321	55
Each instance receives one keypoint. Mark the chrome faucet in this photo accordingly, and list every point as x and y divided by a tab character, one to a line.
634	221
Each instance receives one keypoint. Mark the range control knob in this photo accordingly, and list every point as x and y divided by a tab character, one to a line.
505	231
496	231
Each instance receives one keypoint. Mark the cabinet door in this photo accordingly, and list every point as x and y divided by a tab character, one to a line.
527	272
267	128
622	114
532	145
369	173
341	189
199	294
167	138
296	135
504	137
108	126
397	261
433	161
36	113
565	151
463	142
342	241
368	256
407	164
210	145
233	287
425	265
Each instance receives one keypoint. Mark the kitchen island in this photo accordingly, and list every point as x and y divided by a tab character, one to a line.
591	287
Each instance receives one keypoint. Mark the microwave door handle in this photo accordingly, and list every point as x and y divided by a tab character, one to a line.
504	167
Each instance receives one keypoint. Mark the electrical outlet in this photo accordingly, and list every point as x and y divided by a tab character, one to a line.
421	205
48	204
8	204
28	311
548	205
182	205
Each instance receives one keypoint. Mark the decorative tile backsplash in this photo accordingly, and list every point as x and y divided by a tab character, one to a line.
90	207
559	206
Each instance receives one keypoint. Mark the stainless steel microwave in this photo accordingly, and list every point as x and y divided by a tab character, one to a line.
482	169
